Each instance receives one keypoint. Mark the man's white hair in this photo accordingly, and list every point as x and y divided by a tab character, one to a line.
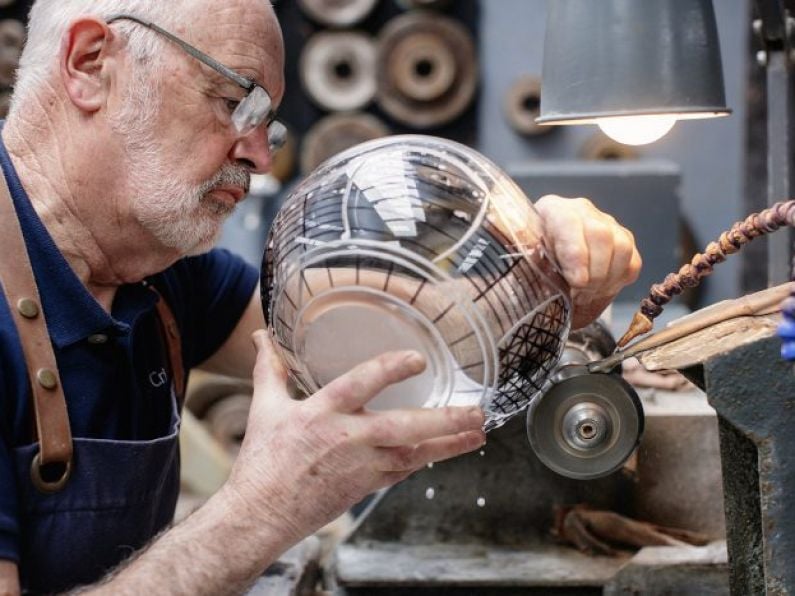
49	20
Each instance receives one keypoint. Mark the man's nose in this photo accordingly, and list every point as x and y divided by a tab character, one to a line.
253	152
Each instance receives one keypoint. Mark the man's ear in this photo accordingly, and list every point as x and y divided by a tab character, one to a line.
84	50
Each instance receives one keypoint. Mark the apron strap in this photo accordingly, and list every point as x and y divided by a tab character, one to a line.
52	465
169	331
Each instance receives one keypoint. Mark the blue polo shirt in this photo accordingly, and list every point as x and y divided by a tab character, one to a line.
111	365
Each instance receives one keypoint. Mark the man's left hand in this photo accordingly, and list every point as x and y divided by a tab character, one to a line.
596	254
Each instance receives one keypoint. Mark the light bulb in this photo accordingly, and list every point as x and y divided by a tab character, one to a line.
637	130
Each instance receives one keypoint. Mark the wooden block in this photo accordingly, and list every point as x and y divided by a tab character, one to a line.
700	346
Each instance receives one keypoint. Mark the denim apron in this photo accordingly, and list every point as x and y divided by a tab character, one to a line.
115	495
120	494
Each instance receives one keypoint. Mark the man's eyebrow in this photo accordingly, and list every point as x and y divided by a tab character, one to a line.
243	72
220	82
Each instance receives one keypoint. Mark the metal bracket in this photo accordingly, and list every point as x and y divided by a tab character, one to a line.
751	388
774	29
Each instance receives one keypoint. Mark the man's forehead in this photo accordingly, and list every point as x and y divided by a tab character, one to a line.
243	35
211	15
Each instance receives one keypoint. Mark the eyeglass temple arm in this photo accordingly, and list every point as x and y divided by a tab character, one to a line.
200	56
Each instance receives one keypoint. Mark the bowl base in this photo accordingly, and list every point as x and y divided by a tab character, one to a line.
345	327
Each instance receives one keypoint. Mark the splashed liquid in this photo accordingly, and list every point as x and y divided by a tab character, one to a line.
430	493
481	502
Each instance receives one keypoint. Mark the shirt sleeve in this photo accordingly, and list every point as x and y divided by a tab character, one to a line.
208	295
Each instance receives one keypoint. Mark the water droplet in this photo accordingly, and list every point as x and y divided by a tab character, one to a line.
482	453
430	465
481	502
430	493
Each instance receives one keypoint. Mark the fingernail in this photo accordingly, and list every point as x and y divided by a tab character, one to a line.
477	438
579	278
256	339
476	415
414	361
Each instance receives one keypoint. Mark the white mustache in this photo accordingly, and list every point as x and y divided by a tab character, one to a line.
229	175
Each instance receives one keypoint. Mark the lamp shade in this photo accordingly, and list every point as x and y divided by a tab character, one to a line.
612	58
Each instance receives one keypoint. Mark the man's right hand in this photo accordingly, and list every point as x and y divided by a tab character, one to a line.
303	463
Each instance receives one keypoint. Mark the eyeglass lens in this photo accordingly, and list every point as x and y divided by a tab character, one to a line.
252	111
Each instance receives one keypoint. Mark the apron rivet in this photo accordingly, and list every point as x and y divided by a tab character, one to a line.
47	378
98	339
28	308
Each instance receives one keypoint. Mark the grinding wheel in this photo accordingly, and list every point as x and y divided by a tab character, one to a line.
523	106
586	425
427	70
336	133
338	70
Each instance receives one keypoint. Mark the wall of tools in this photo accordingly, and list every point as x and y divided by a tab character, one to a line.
358	70
333	101
361	69
467	70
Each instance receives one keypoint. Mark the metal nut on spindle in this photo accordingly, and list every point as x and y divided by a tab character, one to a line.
586	426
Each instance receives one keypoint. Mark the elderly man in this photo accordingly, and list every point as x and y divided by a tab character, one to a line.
124	151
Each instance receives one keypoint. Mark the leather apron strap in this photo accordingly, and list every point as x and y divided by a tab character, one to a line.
52	465
169	331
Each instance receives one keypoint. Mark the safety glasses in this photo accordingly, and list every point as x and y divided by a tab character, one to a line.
246	115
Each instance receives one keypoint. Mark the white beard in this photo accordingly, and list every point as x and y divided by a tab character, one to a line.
178	214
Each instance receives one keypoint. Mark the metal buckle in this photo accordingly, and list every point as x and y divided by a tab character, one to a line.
49	486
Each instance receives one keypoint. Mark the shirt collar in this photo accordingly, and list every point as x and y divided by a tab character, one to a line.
72	313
